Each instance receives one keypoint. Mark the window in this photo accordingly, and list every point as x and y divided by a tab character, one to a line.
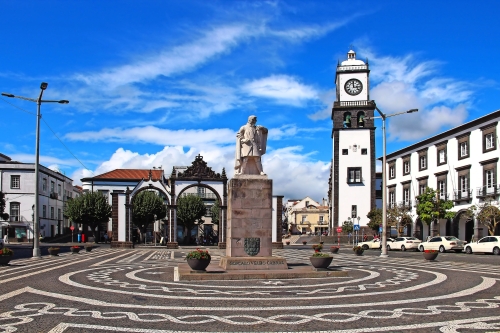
441	186
364	151
354	175
52	212
392	170
59	189
15	182
345	151
463	146
361	119
489	141
15	211
392	197
406	167
489	138
321	219
441	153
44	184
463	182
304	217
406	196
421	188
423	162
489	178
52	187
59	213
354	211
347	120
44	211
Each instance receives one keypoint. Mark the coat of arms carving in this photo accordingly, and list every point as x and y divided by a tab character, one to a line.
252	246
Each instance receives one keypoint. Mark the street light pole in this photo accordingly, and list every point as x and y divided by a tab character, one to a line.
36	221
383	116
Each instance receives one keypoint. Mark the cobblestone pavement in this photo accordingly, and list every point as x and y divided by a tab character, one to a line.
116	290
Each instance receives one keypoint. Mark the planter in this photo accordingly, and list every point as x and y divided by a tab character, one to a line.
88	248
53	252
304	243
321	262
359	252
4	260
430	256
334	249
287	243
198	264
75	250
321	243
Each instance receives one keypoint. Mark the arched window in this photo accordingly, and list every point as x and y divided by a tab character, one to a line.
347	119
361	119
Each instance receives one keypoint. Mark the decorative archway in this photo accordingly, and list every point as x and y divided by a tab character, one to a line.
199	174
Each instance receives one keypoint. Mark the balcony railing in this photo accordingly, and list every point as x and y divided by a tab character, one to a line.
54	195
485	191
459	195
201	195
351	103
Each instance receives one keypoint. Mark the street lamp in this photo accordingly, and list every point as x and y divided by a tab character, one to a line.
38	101
383	116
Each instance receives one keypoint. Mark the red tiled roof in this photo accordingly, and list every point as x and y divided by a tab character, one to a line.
132	174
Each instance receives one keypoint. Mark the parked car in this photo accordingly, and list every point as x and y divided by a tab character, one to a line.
443	244
404	243
489	244
374	243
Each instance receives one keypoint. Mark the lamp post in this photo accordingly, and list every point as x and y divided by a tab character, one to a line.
383	116
36	222
357	241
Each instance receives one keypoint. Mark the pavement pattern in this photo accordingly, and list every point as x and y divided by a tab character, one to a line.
133	290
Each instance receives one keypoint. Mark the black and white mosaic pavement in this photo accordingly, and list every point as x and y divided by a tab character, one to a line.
115	290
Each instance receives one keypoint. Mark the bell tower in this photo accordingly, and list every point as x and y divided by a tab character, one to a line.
353	172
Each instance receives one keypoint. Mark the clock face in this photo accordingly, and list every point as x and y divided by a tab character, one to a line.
353	87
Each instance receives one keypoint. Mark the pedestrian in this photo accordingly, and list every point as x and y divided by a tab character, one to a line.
106	237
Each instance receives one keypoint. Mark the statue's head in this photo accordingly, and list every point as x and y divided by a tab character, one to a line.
252	119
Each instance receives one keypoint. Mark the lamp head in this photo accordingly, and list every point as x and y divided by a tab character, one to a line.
412	110
7	95
63	101
44	85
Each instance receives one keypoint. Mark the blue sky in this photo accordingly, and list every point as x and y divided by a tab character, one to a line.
154	83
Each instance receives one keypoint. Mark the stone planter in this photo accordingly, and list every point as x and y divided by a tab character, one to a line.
74	250
304	243
321	262
4	260
334	249
430	256
88	248
359	252
198	264
287	243
321	243
53	252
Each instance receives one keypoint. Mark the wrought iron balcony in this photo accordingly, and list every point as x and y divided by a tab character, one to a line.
487	190
54	195
460	195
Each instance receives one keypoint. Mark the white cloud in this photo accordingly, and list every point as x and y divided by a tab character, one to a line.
292	171
283	89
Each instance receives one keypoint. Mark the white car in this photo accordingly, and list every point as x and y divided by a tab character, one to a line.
443	244
404	243
489	244
373	244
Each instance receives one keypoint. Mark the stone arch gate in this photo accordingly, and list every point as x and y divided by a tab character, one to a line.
181	179
199	174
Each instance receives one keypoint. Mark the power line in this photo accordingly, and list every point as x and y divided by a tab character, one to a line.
34	114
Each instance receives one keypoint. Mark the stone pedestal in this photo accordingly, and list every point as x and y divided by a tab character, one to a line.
172	245
122	245
249	225
277	245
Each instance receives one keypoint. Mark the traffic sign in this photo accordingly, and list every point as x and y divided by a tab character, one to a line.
72	228
356	227
339	229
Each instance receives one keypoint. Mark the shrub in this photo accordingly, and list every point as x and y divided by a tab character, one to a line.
357	248
430	251
198	254
6	252
320	254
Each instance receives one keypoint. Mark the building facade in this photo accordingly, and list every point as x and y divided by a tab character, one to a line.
17	182
462	163
352	187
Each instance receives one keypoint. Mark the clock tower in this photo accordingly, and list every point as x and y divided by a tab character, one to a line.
353	172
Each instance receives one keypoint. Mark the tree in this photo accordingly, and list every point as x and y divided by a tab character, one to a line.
215	212
3	215
347	226
375	217
430	208
399	216
90	209
190	210
147	207
487	214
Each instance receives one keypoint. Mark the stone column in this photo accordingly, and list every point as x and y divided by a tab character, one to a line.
119	220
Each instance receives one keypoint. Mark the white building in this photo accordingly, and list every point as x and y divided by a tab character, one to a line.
17	182
353	174
461	163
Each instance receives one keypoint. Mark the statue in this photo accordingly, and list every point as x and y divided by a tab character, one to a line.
251	144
